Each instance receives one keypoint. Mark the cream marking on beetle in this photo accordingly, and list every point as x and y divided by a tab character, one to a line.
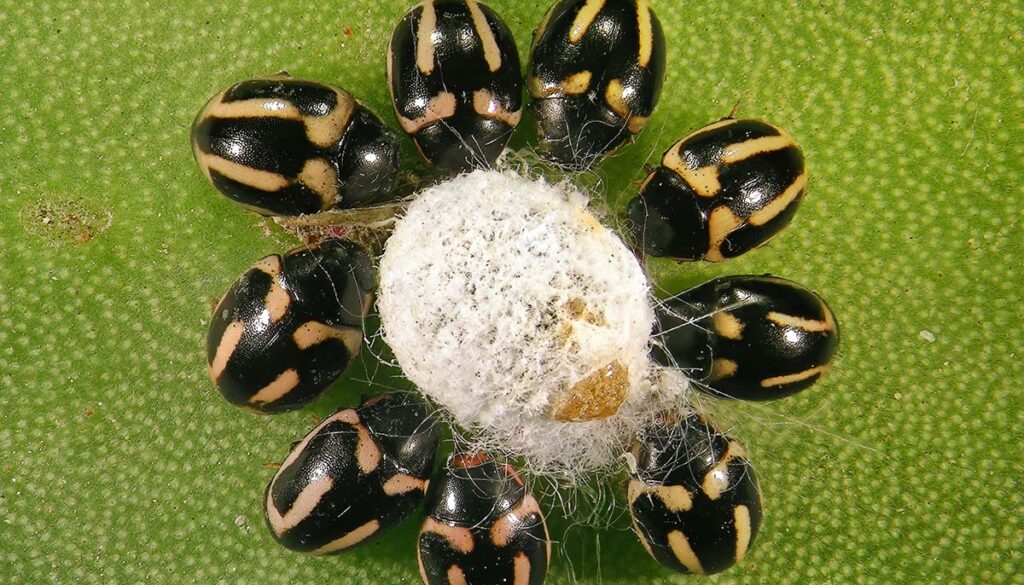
809	325
277	300
456	576
741	521
723	368
684	553
425	44
741	151
351	539
492	54
254	108
576	84
402	484
255	178
326	131
721	223
459	538
312	333
797	377
504	529
716	481
636	124
301	508
584	18
676	498
321	177
441	107
780	203
368	455
646	31
615	97
488	106
540	89
298	449
727	325
283	384
225	348
323	131
520	569
703	180
271	265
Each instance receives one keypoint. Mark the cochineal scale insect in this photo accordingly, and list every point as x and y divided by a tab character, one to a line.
291	325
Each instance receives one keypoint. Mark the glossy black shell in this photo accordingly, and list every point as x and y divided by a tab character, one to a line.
455	81
284	146
754	337
482	526
596	71
357	473
694	498
289	326
721	191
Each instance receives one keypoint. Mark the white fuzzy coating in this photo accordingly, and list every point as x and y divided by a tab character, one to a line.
481	289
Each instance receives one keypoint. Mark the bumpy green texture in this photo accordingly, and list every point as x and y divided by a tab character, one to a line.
121	464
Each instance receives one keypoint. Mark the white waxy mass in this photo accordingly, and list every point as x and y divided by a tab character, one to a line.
506	301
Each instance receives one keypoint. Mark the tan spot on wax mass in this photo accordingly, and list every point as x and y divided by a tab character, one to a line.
597	396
